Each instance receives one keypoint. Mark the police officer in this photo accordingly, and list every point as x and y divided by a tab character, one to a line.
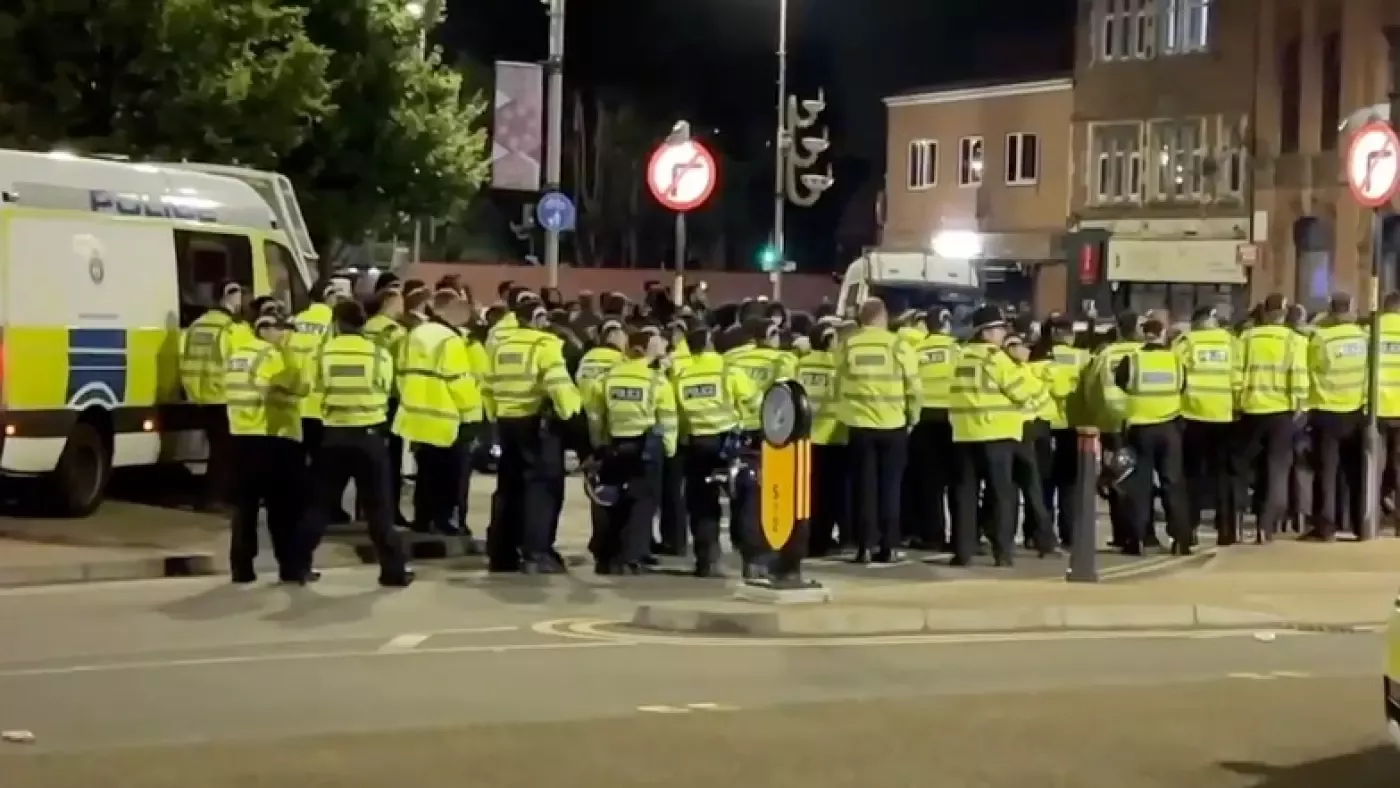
1037	530
829	524
439	411
671	524
636	422
758	355
313	329
354	378
986	405
527	375
1207	355
1106	402
1153	379
206	346
1067	365
927	479
1388	403
713	400
877	386
1274	387
1337	372
592	368
386	329
263	386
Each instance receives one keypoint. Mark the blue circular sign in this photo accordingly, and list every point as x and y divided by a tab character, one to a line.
556	212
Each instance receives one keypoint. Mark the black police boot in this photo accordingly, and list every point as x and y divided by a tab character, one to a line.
400	579
707	569
244	575
299	577
862	557
1181	548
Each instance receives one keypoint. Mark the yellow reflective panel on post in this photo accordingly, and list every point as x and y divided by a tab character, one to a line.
778	484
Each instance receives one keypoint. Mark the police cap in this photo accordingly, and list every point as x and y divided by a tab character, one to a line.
271	321
988	316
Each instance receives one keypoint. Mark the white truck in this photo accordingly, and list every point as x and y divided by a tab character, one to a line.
911	280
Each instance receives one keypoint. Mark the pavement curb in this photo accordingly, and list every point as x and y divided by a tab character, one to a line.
836	620
145	568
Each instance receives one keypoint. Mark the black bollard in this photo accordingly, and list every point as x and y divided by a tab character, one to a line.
1084	553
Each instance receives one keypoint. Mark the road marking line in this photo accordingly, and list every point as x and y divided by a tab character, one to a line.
711	707
1270	676
1290	674
1250	676
252	659
664	709
404	642
593	631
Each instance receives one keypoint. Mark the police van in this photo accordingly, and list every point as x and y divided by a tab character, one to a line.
102	264
911	280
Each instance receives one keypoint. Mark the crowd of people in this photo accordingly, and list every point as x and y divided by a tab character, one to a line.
922	439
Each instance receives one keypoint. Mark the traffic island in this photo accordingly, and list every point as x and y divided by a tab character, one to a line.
105	569
839	620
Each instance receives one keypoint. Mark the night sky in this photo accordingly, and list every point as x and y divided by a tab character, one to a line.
712	61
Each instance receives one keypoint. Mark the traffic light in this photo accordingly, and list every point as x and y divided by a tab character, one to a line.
768	258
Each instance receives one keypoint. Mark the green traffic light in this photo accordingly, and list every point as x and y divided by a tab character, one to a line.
768	257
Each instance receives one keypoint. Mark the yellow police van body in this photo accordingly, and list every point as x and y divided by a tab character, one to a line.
102	264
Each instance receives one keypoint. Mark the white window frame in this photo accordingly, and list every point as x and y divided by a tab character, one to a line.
1115	157
1177	151
1127	29
1015	170
1185	26
972	161
1232	158
921	165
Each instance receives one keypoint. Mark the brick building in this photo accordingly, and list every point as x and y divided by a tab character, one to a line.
1198	148
987	158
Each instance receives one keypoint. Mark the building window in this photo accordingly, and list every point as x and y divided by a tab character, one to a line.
1127	29
970	161
1022	158
1116	163
1232	165
1184	25
1179	152
923	164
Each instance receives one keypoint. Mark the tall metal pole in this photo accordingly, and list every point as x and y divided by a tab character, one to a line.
1375	461
781	140
554	135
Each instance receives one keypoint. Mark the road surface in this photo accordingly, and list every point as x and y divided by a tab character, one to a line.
463	680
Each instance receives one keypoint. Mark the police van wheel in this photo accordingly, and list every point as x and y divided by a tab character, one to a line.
80	480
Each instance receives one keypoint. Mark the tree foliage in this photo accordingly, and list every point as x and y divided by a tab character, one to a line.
338	94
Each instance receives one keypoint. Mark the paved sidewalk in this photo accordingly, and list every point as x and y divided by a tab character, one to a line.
1284	585
128	541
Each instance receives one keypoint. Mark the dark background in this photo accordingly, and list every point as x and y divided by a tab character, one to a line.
713	63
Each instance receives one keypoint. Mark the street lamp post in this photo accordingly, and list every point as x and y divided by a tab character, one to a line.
789	183
425	13
554	133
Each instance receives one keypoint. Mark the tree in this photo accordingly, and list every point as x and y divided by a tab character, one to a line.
193	79
405	136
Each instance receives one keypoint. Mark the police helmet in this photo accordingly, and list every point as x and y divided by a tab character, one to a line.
1117	466
600	492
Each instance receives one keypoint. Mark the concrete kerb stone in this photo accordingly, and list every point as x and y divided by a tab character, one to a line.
835	620
142	568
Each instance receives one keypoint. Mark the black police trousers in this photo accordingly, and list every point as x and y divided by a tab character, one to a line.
360	454
1060	494
1210	476
927	478
672	522
1339	452
1157	450
877	459
700	458
218	473
1270	437
1027	472
268	473
528	480
976	464
437	491
830	524
635	465
1120	510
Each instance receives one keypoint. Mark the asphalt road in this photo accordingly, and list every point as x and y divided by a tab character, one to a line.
452	683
